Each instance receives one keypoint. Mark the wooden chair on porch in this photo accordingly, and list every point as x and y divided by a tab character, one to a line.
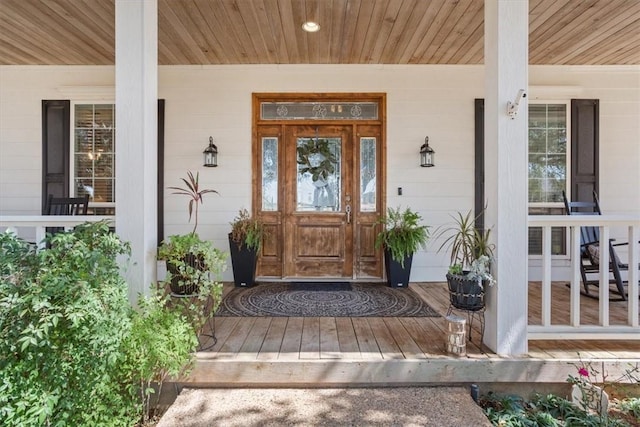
590	251
66	206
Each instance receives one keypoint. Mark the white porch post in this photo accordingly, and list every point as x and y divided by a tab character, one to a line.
506	38
136	136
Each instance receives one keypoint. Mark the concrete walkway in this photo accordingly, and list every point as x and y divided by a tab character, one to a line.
404	406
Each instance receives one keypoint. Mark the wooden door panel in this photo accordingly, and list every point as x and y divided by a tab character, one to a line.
318	243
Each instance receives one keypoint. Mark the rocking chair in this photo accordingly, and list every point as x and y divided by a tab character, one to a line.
65	206
590	251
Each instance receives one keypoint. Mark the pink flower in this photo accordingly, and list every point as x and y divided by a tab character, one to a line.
583	372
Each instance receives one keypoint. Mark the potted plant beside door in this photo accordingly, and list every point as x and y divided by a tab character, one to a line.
401	236
190	259
470	262
245	241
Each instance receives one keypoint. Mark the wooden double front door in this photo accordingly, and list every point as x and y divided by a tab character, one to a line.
320	198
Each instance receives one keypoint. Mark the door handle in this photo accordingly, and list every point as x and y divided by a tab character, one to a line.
347	209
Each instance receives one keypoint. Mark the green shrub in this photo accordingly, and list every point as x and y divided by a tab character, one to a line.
64	315
72	350
161	344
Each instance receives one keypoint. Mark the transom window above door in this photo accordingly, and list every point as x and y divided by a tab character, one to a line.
319	110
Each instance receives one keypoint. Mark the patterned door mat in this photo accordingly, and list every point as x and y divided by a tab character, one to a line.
322	300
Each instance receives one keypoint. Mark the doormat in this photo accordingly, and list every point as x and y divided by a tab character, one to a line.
319	300
320	286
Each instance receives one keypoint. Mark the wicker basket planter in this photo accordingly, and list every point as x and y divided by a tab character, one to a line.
465	294
182	282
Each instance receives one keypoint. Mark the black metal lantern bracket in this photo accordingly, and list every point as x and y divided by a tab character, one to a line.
427	154
210	154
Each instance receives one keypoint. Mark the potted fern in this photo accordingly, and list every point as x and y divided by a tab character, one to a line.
190	259
471	254
401	236
245	240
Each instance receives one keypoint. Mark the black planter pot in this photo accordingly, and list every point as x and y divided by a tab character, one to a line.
465	294
397	275
181	284
244	263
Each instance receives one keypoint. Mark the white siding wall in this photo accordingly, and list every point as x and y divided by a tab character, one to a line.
216	100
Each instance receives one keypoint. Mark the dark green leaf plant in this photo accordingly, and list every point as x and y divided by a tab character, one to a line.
402	234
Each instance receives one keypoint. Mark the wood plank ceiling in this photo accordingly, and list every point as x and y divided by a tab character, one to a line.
567	32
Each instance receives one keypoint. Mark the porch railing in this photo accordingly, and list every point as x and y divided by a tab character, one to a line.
573	329
33	227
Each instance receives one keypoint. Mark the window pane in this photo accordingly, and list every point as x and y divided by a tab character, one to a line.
104	165
94	152
83	140
103	139
557	141
537	116
368	174
269	174
318	181
83	165
558	234
104	116
558	241
557	117
84	116
537	140
547	152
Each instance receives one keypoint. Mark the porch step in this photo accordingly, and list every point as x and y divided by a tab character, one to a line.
383	406
441	371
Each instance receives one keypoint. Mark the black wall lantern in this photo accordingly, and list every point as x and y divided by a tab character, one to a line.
211	154
426	154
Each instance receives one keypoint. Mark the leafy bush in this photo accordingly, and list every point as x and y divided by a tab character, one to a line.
64	316
72	350
161	344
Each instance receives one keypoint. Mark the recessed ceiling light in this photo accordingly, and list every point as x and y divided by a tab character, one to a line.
311	27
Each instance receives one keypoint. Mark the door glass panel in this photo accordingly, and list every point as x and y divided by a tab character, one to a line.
318	177
270	174
368	174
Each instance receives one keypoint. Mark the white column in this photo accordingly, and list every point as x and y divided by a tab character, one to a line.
506	62
136	138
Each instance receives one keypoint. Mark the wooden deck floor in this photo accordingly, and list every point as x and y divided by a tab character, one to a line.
392	350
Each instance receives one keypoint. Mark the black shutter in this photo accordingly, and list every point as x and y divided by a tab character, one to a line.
55	149
160	170
584	148
479	163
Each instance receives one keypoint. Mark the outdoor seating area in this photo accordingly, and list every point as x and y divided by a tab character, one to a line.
590	251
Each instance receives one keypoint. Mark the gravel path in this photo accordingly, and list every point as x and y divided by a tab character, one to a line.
404	406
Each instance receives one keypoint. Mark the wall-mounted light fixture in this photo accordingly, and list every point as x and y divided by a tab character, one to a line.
513	107
211	154
426	154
